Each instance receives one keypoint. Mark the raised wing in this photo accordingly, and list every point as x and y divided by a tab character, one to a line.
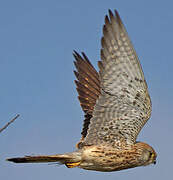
124	105
88	87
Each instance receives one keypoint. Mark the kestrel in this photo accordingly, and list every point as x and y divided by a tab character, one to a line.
116	104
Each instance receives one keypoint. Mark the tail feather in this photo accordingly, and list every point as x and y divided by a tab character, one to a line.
61	158
37	159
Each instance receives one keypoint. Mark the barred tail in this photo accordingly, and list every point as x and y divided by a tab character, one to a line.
68	159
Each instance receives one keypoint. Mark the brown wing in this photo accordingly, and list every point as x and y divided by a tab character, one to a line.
88	87
124	105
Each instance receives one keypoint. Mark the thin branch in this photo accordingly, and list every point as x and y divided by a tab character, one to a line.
1	129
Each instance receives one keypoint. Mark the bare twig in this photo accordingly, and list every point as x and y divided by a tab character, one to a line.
11	121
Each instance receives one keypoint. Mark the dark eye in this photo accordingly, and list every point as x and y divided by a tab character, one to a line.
150	155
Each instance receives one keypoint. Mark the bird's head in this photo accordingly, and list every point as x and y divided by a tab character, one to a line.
147	155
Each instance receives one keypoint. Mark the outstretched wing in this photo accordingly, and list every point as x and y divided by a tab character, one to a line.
124	105
88	87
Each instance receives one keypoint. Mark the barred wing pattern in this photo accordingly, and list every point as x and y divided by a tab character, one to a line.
124	105
88	87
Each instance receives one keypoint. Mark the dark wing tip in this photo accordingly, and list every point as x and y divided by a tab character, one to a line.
110	13
76	54
86	59
76	74
105	32
118	18
107	20
102	42
116	13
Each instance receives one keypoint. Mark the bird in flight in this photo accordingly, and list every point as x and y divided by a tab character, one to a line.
116	104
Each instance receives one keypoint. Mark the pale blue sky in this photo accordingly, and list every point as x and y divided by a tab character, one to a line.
37	38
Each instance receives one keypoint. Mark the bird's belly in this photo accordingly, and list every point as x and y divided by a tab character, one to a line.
104	160
98	167
103	165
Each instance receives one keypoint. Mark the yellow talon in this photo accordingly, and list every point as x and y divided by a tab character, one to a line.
73	164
